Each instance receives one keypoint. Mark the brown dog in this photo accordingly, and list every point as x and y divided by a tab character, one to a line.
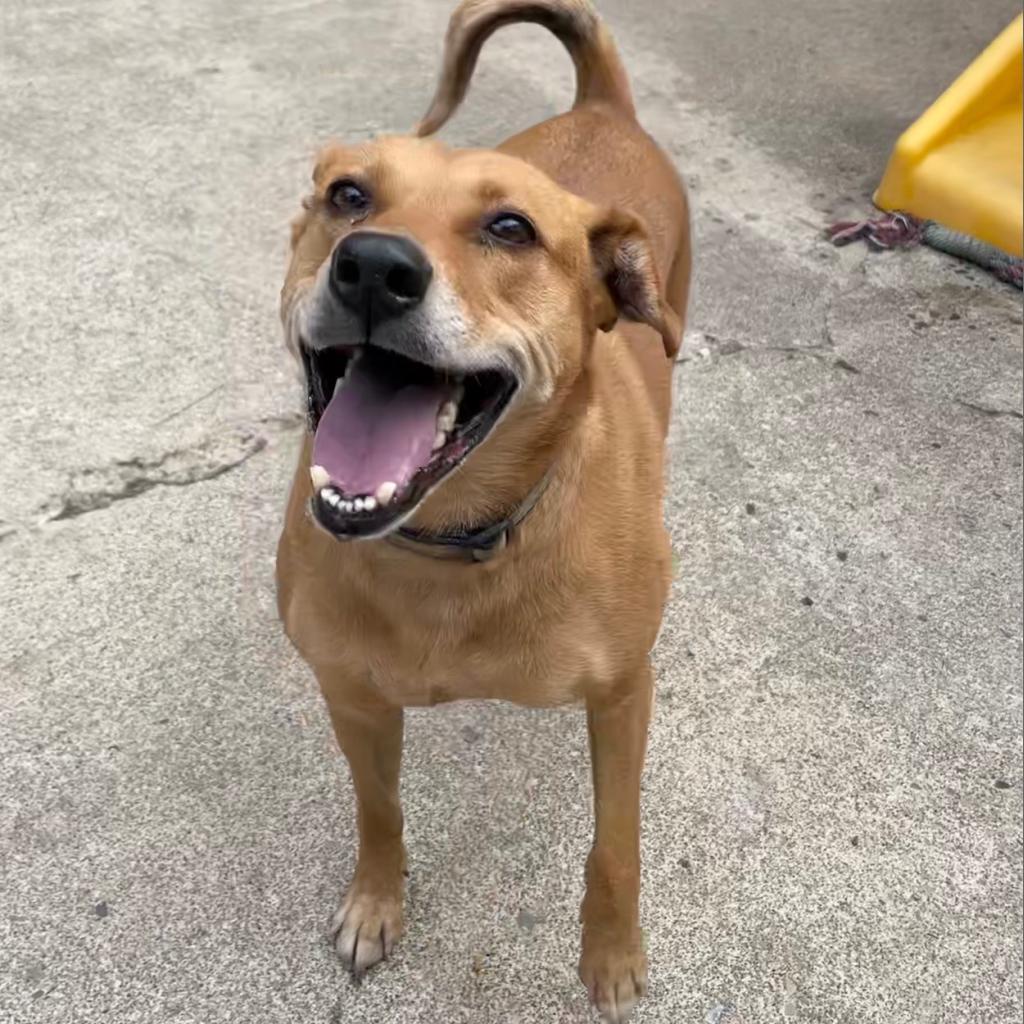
491	440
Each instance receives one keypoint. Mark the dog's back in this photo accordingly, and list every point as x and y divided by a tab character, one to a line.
597	149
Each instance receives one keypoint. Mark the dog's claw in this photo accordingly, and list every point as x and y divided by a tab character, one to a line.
357	974
616	981
364	914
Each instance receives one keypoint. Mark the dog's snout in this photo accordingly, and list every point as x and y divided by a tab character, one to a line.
379	275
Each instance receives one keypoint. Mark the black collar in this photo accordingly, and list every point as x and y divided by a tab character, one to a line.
477	545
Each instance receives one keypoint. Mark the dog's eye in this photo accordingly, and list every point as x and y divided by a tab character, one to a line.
349	197
512	229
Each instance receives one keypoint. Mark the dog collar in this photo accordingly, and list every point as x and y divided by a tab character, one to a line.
477	545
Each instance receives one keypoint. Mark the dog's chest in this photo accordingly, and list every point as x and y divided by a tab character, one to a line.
536	669
455	653
419	648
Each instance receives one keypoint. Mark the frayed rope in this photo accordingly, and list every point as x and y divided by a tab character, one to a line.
901	231
893	231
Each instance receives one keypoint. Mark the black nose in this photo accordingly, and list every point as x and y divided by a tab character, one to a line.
378	275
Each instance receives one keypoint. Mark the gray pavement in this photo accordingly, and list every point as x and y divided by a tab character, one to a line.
833	796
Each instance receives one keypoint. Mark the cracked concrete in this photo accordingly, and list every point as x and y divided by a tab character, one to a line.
833	802
93	489
89	490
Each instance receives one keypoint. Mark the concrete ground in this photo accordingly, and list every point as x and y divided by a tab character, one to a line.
833	795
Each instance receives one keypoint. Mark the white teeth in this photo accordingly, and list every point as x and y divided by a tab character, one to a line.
440	439
446	417
346	506
369	504
331	496
319	476
359	504
386	492
352	360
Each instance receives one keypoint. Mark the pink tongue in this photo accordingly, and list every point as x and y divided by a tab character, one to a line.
374	430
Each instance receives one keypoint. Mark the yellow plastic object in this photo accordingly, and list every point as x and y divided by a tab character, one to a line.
962	162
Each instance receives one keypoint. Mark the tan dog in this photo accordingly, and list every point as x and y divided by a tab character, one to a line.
490	439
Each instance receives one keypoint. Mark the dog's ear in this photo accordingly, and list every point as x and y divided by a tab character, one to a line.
627	278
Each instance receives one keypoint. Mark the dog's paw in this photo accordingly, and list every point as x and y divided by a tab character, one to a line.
615	976
366	927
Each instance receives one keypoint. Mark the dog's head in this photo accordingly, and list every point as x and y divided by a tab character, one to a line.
437	298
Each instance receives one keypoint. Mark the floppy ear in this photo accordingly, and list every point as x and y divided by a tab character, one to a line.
628	278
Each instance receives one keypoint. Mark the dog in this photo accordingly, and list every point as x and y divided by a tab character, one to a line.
487	339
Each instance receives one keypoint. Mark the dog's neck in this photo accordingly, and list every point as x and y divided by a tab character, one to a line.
476	544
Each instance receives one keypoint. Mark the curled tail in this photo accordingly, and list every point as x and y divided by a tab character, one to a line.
600	77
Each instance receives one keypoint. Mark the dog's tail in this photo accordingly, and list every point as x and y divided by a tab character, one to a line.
600	77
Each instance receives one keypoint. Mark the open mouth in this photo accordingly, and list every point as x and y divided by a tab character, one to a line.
388	429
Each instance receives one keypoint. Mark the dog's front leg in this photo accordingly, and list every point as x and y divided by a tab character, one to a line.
613	965
369	920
